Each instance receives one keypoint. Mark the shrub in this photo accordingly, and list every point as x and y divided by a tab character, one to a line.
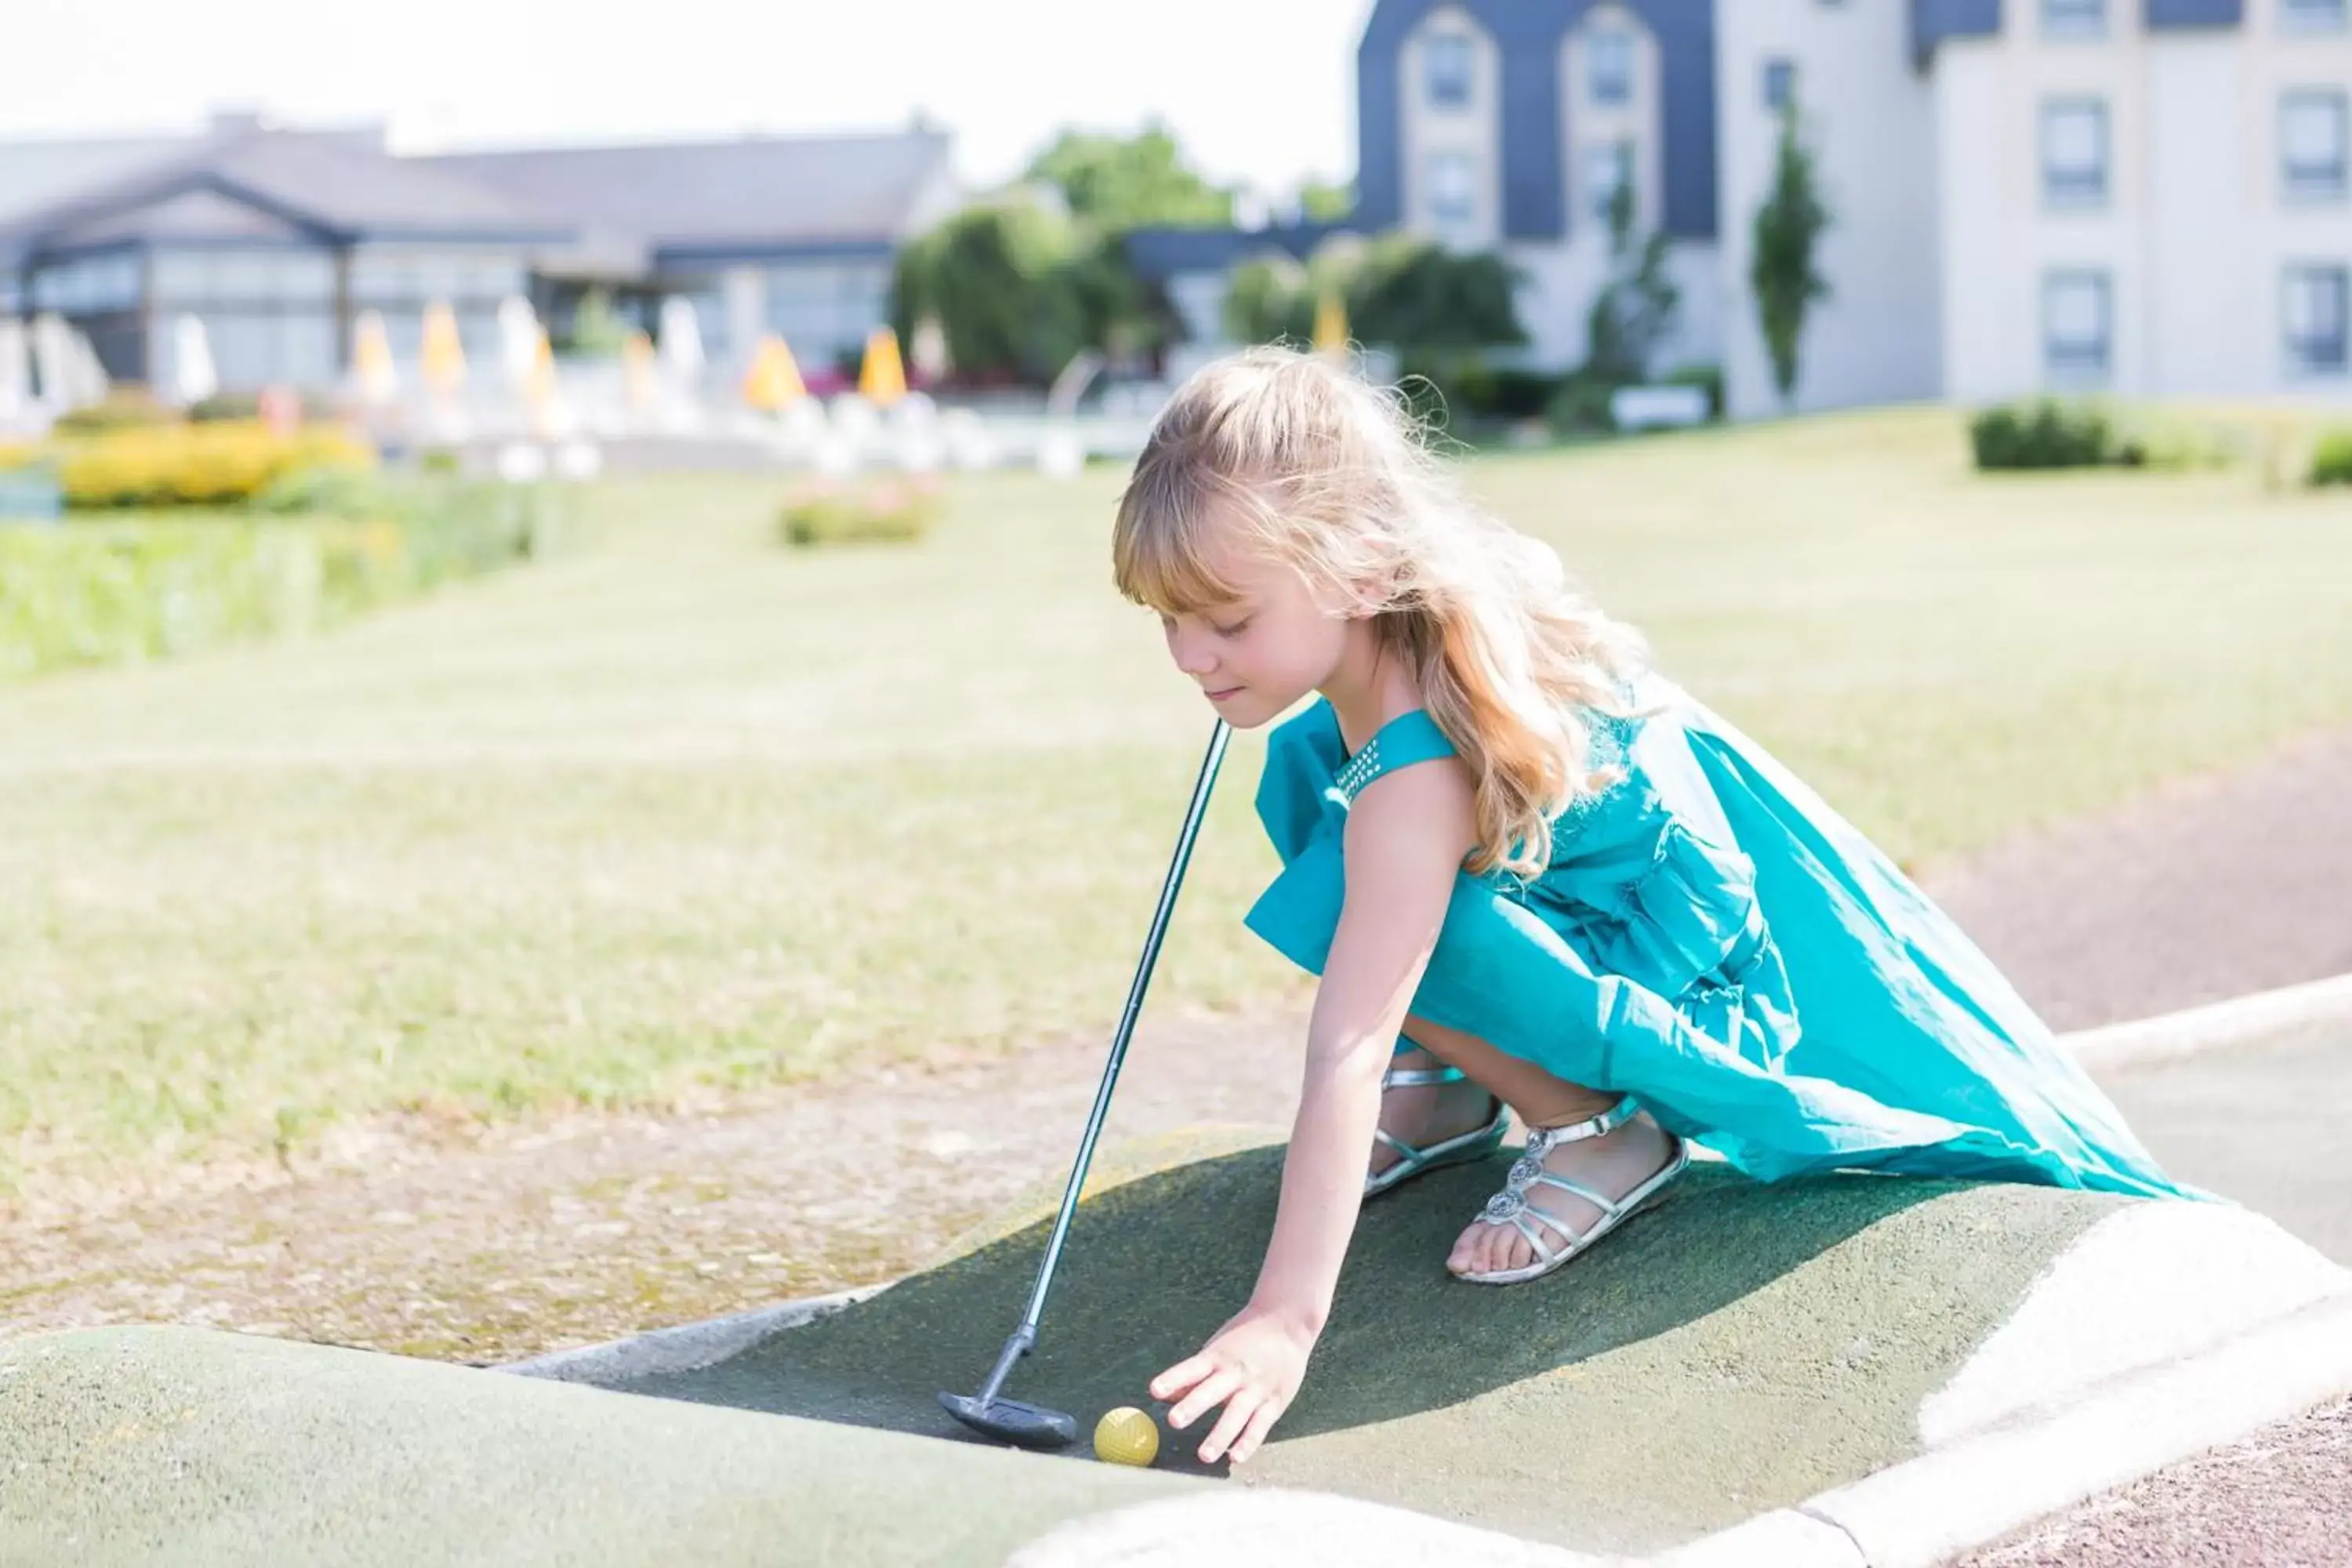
111	592
1706	376
1580	406
124	408
895	510
2331	460
2048	434
196	465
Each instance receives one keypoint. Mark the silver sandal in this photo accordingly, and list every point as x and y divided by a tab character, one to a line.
1475	1144
1510	1206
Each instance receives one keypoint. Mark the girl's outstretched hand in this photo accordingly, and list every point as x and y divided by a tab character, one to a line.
1252	1365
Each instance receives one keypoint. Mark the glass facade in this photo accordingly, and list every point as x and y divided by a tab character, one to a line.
825	309
99	294
268	313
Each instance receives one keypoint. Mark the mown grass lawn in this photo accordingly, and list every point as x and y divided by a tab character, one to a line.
695	809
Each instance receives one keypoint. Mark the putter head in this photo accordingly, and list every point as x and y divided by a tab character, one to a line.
1014	1421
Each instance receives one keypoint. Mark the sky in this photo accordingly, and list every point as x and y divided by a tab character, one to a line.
1259	91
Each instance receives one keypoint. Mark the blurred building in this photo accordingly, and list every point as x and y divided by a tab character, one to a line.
277	239
2147	197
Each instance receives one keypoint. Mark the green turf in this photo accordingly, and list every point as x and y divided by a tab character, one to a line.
208	1450
1739	1349
698	809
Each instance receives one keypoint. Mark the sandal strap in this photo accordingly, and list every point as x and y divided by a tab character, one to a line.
1608	1121
1606	1205
1411	1077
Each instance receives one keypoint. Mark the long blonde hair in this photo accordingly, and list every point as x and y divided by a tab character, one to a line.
1337	478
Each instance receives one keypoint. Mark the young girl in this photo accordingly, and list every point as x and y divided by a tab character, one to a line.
1538	876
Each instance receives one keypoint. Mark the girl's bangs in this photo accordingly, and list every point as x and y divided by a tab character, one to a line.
1160	559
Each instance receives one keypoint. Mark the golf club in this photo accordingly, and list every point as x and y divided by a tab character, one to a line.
1016	1421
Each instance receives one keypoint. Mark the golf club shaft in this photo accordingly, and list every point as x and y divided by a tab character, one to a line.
1027	1334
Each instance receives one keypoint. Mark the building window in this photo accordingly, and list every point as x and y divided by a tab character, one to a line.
1780	84
1445	66
2314	312
1608	169
2312	16
2074	18
1608	68
2074	152
2311	143
2076	324
1453	197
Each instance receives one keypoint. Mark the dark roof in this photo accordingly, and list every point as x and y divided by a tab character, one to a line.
759	190
1160	253
337	186
35	174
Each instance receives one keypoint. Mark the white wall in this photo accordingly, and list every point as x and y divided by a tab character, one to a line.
2196	234
1561	280
1872	124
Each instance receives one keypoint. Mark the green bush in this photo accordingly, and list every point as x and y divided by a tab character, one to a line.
895	510
124	408
1580	406
2048	434
1709	377
113	592
2331	460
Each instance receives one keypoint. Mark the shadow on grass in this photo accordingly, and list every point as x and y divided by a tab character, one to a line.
1153	1267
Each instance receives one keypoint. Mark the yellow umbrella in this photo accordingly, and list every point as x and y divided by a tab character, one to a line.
443	358
1330	326
540	388
884	378
773	382
372	371
637	368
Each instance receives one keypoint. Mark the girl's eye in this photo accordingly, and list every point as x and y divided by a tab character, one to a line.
1232	631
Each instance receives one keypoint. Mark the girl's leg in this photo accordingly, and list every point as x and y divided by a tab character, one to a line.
1614	1165
1426	1114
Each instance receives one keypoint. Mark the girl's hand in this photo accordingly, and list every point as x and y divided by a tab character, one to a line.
1252	1365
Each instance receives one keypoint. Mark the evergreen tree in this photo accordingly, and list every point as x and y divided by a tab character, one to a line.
1781	272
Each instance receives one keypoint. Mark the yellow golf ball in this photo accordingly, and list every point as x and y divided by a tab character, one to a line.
1126	1436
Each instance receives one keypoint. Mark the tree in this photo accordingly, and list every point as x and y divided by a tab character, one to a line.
1781	272
1433	303
1635	306
1267	298
994	276
1115	183
1320	202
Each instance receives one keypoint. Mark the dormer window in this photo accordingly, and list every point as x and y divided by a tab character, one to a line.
1446	68
1608	68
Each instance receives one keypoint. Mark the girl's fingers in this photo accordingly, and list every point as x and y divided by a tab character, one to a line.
1264	1417
1180	1376
1205	1395
1238	1410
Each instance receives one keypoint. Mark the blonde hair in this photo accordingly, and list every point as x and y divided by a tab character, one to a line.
1337	479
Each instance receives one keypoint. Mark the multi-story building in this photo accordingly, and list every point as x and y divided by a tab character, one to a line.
2147	196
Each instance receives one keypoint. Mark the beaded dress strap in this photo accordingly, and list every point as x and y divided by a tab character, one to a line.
1406	738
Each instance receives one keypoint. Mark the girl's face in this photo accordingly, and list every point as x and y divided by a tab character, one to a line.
1257	656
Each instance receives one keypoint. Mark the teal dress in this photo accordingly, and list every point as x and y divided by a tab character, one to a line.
1711	937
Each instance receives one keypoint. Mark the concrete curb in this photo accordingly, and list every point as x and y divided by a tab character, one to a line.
1980	1487
686	1347
2218	1026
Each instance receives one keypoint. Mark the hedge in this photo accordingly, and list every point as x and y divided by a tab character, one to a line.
103	592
